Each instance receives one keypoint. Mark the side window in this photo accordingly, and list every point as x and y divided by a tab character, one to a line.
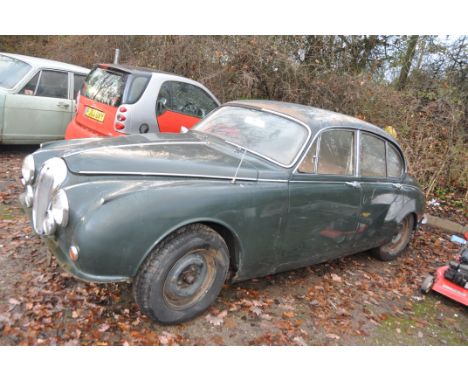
191	100
372	156
164	100
30	87
78	80
137	88
53	84
394	162
308	164
336	153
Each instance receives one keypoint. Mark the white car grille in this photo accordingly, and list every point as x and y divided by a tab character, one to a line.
42	195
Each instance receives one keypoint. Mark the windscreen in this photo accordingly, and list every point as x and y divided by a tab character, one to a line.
272	136
12	71
105	86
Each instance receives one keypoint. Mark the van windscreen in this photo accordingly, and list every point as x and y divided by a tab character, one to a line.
105	86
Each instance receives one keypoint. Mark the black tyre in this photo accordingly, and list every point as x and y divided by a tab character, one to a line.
426	285
183	275
399	242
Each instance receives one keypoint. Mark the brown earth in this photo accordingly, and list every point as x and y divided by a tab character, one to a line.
355	300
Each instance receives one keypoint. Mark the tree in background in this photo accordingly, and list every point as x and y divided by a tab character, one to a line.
406	64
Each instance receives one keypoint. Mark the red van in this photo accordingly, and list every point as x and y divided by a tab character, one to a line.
118	99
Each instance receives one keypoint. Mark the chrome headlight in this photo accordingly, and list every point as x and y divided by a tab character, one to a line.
59	208
51	176
58	170
28	170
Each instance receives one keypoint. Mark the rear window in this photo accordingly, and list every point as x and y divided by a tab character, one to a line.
12	71
105	86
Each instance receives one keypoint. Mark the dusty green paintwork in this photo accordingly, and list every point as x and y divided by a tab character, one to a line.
127	194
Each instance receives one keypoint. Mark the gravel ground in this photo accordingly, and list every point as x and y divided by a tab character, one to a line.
351	301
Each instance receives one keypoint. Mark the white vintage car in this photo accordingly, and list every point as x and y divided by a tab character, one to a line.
37	98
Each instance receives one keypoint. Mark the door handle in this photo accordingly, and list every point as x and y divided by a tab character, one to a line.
63	105
397	186
353	184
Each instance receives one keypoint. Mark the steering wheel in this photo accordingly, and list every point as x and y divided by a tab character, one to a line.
191	108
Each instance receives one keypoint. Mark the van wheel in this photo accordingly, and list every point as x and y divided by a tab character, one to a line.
399	242
183	275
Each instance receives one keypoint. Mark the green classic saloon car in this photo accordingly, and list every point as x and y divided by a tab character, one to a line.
257	187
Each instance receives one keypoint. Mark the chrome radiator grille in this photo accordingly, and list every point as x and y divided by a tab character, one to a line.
42	195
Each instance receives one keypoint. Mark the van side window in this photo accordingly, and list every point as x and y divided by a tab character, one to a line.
372	156
53	84
395	165
336	153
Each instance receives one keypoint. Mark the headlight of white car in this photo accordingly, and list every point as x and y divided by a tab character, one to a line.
59	208
28	170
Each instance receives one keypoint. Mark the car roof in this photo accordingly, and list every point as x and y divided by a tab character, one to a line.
37	62
141	70
316	119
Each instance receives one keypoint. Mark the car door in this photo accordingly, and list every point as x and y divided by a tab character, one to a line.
324	201
380	194
181	104
41	110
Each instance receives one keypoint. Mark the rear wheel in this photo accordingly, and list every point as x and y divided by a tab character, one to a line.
183	275
399	242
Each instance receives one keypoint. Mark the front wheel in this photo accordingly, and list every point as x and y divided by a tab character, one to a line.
399	242
183	275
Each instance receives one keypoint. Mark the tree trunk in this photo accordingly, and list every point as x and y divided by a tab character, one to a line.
407	60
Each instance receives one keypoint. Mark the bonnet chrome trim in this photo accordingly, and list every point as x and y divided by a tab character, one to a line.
180	175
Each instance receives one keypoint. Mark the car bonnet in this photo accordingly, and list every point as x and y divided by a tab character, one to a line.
174	157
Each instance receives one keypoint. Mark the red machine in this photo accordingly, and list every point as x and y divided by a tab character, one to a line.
451	280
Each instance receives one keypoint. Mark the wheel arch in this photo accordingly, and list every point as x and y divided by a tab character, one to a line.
228	234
